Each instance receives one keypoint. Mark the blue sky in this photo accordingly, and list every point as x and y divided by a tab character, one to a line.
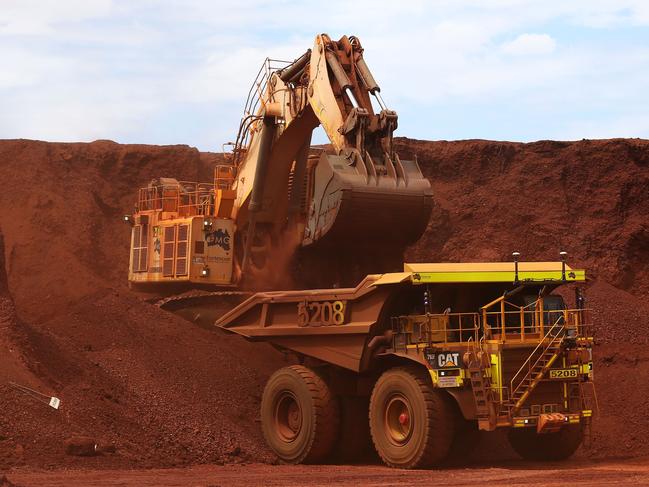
177	72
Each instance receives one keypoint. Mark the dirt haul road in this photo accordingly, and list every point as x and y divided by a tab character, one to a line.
629	472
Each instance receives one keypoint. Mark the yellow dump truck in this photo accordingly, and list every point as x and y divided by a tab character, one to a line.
423	359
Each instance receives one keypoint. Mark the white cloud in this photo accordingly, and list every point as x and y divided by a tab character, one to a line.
229	73
84	69
628	125
39	17
99	110
530	45
24	67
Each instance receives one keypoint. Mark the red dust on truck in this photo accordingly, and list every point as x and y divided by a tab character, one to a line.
420	361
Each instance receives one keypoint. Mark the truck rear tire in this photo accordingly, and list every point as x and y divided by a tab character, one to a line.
548	446
411	423
299	415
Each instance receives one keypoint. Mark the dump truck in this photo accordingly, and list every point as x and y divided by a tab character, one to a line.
422	360
275	192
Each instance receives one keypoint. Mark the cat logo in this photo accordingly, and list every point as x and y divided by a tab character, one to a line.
443	360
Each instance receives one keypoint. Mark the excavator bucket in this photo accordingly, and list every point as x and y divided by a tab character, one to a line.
354	202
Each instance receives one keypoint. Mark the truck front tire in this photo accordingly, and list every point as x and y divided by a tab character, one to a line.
412	424
299	415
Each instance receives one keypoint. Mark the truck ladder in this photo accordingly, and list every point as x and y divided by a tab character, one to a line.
588	396
482	392
536	370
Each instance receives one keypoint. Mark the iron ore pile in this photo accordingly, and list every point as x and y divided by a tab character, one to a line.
144	387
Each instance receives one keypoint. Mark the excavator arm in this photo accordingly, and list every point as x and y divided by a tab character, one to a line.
340	96
359	192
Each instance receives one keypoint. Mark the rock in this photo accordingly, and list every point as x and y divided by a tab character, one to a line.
106	448
5	482
81	446
235	452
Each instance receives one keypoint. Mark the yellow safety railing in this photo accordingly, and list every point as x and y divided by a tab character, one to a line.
508	321
224	175
437	328
182	198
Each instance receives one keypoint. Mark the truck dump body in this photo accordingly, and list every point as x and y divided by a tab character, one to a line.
493	336
311	322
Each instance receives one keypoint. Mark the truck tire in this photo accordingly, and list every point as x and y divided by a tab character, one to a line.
548	446
299	415
411	423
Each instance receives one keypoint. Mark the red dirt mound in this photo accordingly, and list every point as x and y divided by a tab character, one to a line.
159	389
13	370
166	392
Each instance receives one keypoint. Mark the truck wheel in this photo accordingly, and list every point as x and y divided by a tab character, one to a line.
411	423
548	446
299	415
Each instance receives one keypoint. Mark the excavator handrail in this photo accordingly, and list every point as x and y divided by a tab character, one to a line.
242	137
260	81
184	197
257	89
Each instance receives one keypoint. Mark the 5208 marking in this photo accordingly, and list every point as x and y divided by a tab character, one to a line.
563	373
321	313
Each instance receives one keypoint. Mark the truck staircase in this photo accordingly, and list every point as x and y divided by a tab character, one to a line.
534	369
482	391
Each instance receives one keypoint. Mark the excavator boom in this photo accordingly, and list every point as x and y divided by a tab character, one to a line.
358	192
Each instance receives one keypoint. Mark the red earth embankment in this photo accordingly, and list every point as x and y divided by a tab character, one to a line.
165	392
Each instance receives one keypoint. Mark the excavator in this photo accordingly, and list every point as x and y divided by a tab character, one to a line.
277	195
